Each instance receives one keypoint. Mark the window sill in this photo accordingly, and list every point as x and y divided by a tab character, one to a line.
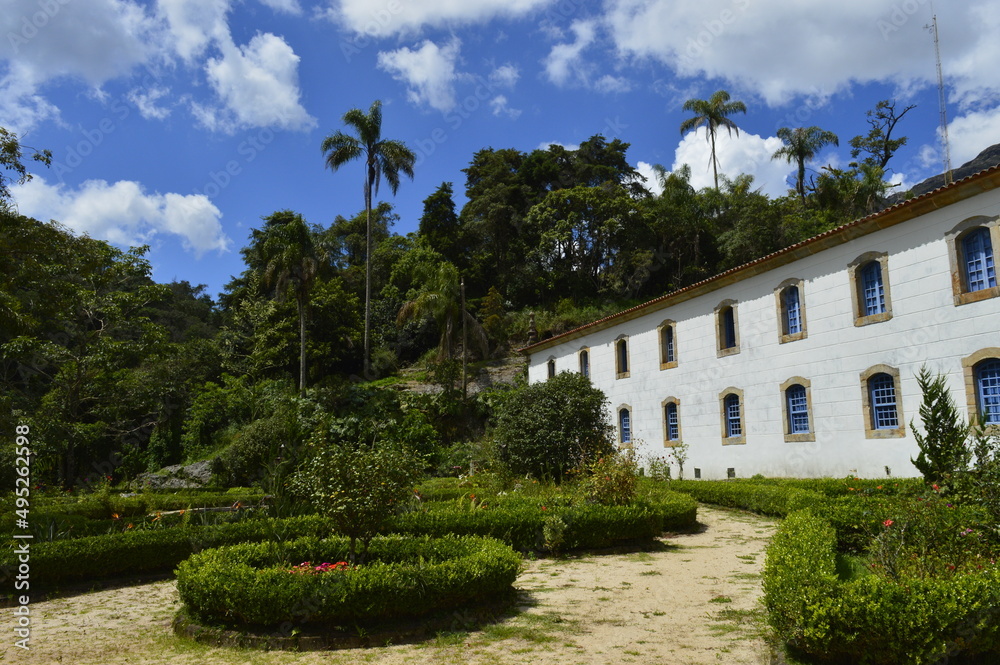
975	296
802	437
734	440
872	318
897	433
794	337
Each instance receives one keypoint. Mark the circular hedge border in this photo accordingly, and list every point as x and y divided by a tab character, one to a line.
251	585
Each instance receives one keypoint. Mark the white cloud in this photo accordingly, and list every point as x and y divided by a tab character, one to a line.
284	6
429	72
565	65
258	86
499	106
94	42
612	84
969	134
410	16
652	183
747	153
811	51
505	76
146	101
124	214
193	25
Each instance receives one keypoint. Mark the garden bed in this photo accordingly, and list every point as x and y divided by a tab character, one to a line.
262	585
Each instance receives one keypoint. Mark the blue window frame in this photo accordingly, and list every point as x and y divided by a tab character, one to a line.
625	425
977	251
585	363
798	409
988	391
734	426
728	328
673	422
882	400
872	288
668	343
792	310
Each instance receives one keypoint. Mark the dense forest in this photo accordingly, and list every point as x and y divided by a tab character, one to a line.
118	375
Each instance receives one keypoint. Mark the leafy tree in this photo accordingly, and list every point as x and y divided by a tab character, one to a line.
440	225
12	159
801	145
383	158
878	144
713	113
943	450
546	429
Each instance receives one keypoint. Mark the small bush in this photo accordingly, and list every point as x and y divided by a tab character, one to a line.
406	577
546	429
612	479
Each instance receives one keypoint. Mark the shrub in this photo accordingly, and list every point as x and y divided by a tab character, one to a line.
612	479
872	620
406	577
359	484
546	429
943	449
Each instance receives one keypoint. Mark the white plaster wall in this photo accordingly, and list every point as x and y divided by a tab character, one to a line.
926	327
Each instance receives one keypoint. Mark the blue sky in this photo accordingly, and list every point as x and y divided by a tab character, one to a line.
180	123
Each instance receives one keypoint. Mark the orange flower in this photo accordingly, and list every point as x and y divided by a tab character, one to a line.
130	525
887	523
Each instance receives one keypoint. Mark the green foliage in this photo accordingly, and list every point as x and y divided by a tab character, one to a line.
612	479
406	578
155	551
546	429
943	445
359	482
12	159
871	619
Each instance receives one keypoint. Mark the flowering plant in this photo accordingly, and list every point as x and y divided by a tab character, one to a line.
307	568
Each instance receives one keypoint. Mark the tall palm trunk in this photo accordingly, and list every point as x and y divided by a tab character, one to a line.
368	275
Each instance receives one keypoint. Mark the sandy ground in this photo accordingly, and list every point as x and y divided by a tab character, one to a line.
693	600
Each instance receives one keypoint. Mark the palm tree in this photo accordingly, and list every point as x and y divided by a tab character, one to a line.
290	263
383	158
800	145
441	300
713	113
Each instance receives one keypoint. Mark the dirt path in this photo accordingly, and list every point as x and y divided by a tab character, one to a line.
692	601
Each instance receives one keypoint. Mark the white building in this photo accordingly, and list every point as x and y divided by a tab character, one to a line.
803	363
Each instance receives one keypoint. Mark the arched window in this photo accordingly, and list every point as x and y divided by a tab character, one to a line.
667	350
624	426
671	422
585	362
977	260
621	358
870	292
882	400
792	310
727	329
797	409
551	367
987	375
872	288
734	423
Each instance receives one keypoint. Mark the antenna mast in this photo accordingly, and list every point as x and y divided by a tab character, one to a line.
941	102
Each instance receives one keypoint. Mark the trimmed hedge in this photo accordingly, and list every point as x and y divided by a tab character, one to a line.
872	620
520	522
405	577
143	552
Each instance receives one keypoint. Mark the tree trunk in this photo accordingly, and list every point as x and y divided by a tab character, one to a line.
368	276
302	345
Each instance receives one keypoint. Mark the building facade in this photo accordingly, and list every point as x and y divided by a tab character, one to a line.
804	363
